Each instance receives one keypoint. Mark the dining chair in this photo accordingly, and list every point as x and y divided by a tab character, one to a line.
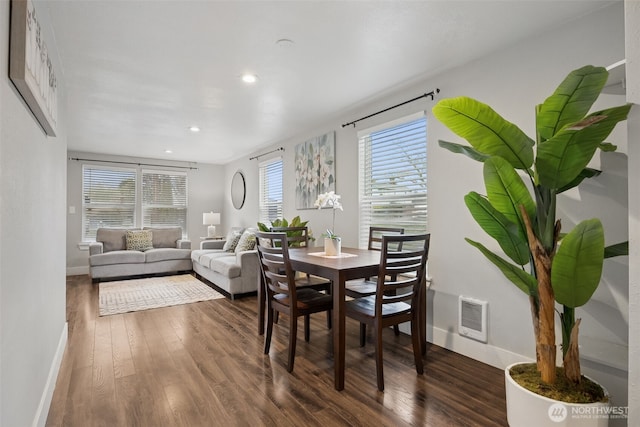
298	237
364	287
282	293
400	283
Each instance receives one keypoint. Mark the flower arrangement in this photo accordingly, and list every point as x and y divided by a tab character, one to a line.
330	199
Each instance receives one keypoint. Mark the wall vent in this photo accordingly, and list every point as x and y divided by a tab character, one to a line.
472	318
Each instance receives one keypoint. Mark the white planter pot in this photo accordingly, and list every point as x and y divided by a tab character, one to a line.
332	247
525	408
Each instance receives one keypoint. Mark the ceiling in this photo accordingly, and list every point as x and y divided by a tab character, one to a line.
138	74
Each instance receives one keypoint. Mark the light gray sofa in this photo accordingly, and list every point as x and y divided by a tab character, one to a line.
235	272
109	257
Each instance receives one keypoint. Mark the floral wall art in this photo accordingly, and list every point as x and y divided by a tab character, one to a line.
315	169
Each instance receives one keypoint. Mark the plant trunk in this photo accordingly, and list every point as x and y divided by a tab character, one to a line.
546	337
572	356
533	302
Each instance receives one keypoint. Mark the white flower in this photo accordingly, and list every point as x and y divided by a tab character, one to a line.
328	199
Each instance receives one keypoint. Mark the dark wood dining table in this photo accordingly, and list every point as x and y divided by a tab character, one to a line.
352	264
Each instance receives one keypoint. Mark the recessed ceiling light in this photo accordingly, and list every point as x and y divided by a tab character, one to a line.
168	151
194	128
249	78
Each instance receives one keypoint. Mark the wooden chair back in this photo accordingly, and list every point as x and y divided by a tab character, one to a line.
277	274
297	237
402	272
376	233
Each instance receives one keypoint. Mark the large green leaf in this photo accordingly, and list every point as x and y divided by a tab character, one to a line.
506	192
571	100
585	173
486	130
463	149
561	158
577	265
523	280
619	249
496	225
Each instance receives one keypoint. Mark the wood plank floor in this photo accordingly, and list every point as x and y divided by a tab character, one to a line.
202	365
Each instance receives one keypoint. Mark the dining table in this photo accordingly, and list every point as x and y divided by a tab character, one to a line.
351	263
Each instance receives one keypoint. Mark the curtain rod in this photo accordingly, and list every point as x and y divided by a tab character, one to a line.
132	163
268	152
424	95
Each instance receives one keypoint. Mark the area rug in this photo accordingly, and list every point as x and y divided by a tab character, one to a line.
143	294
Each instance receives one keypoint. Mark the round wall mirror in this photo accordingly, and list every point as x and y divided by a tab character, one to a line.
238	190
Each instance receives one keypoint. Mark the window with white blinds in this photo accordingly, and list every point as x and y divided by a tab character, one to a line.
128	197
108	199
393	177
164	199
270	190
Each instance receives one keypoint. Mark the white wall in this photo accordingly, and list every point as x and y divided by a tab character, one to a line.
512	81
32	252
205	193
632	46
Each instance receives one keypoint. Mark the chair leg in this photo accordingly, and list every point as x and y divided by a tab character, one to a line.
275	318
293	331
396	330
417	345
267	337
307	329
363	334
328	319
379	373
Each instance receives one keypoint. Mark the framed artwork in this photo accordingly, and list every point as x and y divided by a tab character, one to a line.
30	66
315	169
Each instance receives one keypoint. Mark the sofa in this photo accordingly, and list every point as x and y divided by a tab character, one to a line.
121	252
231	265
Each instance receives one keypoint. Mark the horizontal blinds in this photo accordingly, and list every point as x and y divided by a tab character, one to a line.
393	178
271	190
164	199
108	199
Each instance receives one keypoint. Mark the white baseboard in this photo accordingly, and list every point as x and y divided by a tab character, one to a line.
77	271
485	353
47	394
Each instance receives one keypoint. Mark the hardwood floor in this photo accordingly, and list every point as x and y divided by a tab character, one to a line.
202	365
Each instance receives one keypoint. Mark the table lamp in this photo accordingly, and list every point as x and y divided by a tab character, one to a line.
211	219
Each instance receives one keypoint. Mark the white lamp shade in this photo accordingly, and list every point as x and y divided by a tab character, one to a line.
211	218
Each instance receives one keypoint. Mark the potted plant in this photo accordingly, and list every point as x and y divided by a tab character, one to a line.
332	242
545	264
295	222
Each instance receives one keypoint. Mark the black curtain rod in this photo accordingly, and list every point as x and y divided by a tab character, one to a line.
132	163
268	152
424	95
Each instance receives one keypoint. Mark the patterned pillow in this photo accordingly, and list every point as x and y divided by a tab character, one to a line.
233	237
139	240
247	242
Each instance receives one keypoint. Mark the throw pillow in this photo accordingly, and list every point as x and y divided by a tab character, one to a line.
232	240
247	242
139	240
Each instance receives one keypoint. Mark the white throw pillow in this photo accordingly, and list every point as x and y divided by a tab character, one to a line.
247	242
233	236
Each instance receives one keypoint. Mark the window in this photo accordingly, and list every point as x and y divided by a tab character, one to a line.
127	197
393	177
270	190
108	199
164	199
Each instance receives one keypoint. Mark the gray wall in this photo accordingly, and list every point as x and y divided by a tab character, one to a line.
32	251
512	81
632	47
205	192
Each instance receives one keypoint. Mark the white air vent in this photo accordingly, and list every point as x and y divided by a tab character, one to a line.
472	318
